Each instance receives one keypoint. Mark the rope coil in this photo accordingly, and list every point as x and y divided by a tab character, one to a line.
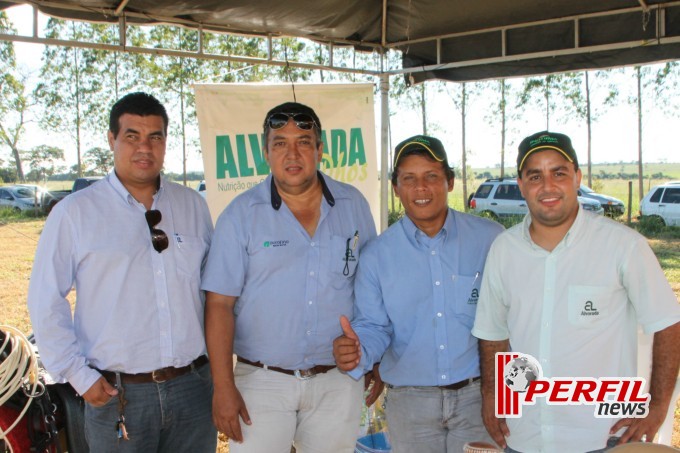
18	371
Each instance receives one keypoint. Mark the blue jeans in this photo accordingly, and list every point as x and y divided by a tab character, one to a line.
431	420
611	443
173	416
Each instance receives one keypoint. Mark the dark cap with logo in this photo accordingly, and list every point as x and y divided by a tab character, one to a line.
542	141
420	143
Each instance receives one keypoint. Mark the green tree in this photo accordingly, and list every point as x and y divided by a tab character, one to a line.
43	161
72	83
172	76
596	94
14	102
500	112
463	94
98	160
546	92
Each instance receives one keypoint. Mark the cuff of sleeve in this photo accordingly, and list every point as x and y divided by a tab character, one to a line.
83	379
358	372
659	325
490	336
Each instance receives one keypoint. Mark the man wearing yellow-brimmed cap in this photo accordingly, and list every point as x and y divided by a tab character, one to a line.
569	288
416	295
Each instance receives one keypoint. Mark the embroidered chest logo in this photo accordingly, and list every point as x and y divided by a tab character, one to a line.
474	296
589	309
281	243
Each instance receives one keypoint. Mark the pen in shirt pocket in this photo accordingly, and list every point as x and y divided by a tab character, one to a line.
356	240
476	277
178	240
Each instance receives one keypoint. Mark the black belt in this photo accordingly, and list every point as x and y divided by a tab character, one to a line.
300	374
459	385
157	376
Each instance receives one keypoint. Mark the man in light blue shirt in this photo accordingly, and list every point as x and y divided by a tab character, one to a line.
280	273
133	244
416	296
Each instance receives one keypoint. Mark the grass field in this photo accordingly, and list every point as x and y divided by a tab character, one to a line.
19	236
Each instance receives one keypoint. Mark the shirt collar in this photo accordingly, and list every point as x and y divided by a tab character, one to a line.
568	239
419	239
276	197
120	189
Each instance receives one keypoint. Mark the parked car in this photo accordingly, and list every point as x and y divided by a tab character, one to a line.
51	198
500	198
83	183
613	207
19	198
201	188
663	203
40	193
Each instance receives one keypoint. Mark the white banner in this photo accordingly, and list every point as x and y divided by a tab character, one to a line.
230	118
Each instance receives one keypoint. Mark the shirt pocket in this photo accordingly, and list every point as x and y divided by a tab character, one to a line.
344	255
589	305
189	252
466	295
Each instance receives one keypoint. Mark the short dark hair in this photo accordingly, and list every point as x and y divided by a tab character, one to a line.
139	103
293	107
448	171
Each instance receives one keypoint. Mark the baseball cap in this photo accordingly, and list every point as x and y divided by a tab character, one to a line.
417	143
542	141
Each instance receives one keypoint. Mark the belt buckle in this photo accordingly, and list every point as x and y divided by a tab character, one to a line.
304	374
155	379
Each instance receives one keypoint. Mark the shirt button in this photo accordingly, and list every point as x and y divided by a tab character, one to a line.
310	302
433	252
159	272
311	273
439	315
437	283
312	244
441	346
309	332
443	376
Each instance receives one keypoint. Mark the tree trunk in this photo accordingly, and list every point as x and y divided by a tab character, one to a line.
464	160
423	108
77	88
639	108
17	161
502	128
547	105
589	124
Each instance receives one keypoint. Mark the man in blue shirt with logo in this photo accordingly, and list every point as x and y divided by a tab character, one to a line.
416	297
279	275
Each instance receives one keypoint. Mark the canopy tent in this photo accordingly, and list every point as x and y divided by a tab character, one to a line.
446	39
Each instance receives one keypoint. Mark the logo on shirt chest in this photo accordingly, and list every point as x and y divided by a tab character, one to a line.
279	243
589	309
474	297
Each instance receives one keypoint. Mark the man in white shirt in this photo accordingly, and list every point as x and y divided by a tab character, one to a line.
569	287
133	245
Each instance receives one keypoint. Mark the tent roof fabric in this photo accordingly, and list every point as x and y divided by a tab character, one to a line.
449	39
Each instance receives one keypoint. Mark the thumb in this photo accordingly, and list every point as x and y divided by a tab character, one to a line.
347	328
109	389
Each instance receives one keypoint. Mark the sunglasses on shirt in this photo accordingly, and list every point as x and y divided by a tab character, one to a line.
159	239
302	120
